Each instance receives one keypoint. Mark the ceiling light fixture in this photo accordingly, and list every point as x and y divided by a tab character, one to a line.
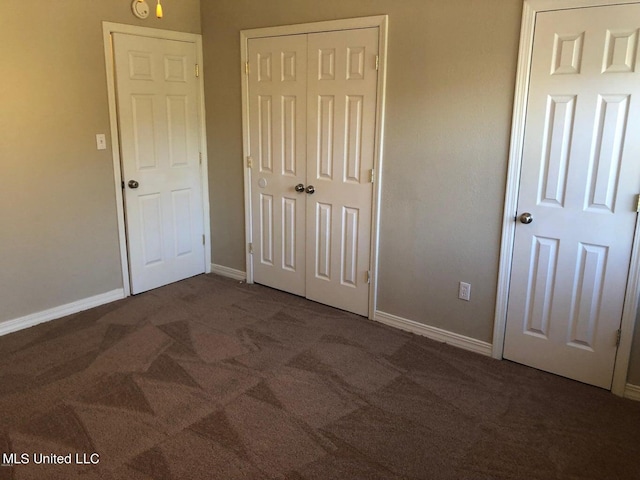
141	9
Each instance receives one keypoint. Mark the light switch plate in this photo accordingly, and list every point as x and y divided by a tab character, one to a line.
101	141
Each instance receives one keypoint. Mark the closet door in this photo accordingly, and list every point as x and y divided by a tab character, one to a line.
277	119
312	104
341	124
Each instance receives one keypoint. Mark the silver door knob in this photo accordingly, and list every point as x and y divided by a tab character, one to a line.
133	184
299	188
311	189
526	218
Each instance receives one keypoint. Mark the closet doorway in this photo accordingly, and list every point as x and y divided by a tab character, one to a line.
312	104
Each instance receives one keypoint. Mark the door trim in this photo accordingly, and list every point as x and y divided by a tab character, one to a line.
109	28
530	10
379	21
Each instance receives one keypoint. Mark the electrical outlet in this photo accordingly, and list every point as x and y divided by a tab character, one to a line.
464	291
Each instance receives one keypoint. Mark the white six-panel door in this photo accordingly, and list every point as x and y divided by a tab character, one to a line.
312	104
579	182
277	116
157	100
340	152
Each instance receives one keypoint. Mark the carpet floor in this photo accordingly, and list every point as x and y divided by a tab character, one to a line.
209	378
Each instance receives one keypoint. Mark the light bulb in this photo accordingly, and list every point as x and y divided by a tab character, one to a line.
159	10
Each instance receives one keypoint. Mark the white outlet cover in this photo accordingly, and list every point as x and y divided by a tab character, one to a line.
464	291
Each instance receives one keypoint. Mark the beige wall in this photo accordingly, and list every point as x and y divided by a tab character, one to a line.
58	230
451	80
450	90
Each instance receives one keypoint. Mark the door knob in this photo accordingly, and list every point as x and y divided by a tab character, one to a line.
311	189
526	218
299	188
133	184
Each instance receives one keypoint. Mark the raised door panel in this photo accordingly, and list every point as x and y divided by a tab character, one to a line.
151	231
178	130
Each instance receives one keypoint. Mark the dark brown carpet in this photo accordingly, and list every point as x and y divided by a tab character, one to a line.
212	379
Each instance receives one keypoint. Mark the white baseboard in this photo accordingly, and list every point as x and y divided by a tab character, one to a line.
437	334
228	272
632	392
10	326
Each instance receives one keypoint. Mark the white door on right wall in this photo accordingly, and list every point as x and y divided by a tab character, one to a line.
578	193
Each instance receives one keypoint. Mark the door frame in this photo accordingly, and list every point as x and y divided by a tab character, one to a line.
108	28
530	10
379	21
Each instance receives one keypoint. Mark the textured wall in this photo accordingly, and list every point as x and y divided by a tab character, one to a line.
451	79
58	229
450	92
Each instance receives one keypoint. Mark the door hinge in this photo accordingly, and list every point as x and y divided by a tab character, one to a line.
377	62
372	176
203	239
246	68
200	157
197	70
638	204
618	337
249	162
251	248
368	276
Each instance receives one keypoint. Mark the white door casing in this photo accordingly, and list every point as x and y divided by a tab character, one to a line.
579	177
357	119
341	138
158	120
